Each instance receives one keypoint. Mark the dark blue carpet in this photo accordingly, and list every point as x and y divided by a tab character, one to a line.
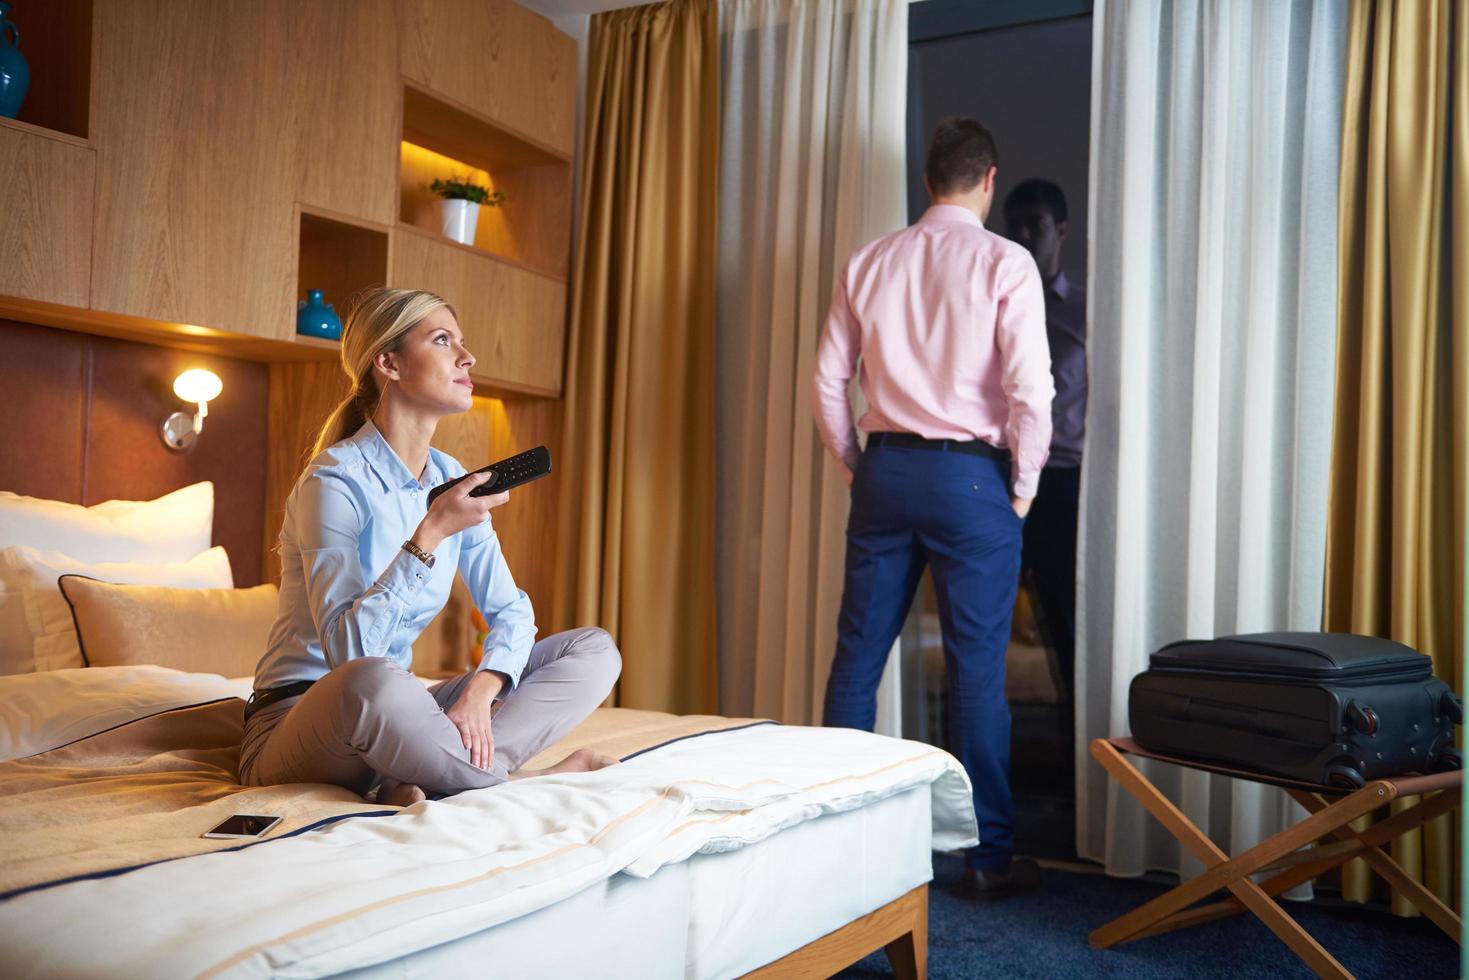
1044	935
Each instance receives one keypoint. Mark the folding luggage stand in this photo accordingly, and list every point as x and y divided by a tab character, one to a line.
1331	809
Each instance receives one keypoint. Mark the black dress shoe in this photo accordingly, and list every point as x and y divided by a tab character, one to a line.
1022	875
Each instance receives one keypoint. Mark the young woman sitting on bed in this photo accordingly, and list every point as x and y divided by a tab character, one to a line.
366	565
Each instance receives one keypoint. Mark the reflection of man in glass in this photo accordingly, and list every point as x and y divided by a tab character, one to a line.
1035	217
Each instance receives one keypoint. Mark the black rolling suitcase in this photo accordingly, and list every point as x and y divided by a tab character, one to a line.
1327	708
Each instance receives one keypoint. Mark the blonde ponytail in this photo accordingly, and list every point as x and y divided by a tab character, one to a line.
377	324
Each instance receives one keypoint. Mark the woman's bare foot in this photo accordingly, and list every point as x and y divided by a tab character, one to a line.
582	760
399	794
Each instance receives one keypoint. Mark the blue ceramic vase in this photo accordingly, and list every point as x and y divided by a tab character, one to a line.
317	319
15	74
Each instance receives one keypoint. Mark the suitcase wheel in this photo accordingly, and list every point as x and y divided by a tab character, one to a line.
1346	777
1447	760
1362	718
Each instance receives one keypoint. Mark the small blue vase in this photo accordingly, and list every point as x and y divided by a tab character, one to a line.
15	74
317	319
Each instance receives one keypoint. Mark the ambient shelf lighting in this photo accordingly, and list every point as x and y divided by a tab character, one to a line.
180	430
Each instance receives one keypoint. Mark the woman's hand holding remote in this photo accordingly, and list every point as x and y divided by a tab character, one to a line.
454	510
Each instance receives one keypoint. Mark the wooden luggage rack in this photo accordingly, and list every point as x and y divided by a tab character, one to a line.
1331	811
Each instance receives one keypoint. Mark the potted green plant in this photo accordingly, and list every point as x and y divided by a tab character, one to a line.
459	203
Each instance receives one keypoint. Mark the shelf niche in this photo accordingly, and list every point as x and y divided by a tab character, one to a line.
56	41
340	259
532	228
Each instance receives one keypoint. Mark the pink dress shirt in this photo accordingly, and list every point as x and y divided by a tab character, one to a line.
949	323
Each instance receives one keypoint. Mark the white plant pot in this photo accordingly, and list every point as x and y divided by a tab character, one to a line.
459	218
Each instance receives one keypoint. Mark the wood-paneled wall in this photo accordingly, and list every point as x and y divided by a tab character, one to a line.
216	119
513	319
205	163
498	59
185	198
81	425
47	186
301	396
494	429
527	524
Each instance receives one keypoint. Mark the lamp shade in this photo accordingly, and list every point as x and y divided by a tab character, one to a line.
197	385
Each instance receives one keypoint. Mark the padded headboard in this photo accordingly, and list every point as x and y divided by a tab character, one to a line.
80	417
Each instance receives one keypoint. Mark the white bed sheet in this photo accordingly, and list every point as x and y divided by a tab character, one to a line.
356	891
712	916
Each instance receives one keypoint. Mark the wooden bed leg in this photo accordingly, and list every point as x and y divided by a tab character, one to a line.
899	928
908	954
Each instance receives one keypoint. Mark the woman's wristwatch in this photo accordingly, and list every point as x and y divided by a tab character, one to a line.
419	553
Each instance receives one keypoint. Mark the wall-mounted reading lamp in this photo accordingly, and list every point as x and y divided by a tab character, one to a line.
180	430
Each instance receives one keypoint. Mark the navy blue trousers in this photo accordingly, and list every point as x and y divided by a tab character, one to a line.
950	511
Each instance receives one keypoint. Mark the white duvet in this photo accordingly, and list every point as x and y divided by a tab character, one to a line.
369	889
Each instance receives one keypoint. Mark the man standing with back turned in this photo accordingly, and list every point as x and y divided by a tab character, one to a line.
949	324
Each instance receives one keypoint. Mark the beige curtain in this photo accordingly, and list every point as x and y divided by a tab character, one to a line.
813	167
635	553
1396	532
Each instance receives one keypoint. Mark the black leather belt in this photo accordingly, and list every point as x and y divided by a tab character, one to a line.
907	440
261	699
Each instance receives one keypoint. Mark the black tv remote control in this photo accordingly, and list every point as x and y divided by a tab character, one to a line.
508	473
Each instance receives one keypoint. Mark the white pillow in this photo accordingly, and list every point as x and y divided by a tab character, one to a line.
37	632
173	528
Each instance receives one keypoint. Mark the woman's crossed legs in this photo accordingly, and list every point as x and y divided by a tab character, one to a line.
371	719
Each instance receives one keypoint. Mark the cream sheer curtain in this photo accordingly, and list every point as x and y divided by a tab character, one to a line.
1215	143
811	166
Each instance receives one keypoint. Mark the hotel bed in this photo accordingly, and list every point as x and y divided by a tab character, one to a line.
719	846
716	848
714	915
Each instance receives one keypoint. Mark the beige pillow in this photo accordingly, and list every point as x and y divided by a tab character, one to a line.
44	636
173	528
206	631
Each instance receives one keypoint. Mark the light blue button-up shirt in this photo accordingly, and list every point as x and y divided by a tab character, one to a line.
348	589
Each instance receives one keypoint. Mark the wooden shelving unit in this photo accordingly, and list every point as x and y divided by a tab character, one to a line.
434	120
55	135
481	253
56	40
532	228
47	186
340	256
163	184
513	318
166	184
160	333
49	169
319	343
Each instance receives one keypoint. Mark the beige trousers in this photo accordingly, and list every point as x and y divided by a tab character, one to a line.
370	719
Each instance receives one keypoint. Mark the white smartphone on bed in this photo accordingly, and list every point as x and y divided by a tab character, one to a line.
245	826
